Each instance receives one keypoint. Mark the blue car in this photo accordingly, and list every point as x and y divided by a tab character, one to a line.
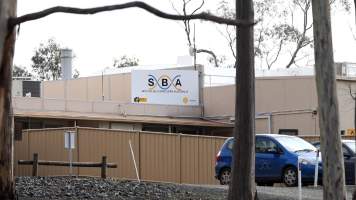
349	151
276	160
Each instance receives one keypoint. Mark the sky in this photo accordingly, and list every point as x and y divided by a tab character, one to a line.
98	39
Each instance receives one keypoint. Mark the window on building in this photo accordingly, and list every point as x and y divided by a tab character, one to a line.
31	88
288	131
155	128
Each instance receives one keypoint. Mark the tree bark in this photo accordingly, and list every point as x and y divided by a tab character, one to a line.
333	161
243	169
7	41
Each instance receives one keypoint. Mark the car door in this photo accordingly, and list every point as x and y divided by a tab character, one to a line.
267	159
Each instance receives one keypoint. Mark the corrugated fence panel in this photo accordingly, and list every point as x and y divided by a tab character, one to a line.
21	153
49	144
95	143
198	159
159	157
189	159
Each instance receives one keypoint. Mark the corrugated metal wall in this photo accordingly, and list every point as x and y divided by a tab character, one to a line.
49	144
160	157
164	157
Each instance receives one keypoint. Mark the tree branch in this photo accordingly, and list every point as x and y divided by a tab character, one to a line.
301	43
198	8
277	55
174	8
351	94
186	23
210	53
202	16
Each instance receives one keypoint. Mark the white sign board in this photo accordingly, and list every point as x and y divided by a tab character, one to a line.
69	140
168	87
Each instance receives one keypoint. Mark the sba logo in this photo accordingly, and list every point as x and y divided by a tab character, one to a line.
164	82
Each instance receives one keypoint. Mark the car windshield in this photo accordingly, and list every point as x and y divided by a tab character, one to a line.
351	145
295	144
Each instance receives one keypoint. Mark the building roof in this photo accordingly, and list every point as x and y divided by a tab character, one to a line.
121	118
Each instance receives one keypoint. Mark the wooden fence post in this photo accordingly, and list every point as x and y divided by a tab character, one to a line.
103	167
35	164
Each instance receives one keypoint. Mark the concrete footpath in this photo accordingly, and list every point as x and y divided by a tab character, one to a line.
287	193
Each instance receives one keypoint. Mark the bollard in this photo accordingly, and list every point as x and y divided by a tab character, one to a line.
316	173
299	179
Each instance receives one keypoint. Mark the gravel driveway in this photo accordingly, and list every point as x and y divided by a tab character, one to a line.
30	188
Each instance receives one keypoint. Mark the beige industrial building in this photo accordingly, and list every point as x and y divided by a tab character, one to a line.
285	104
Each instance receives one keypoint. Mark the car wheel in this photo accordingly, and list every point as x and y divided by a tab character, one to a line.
225	176
290	177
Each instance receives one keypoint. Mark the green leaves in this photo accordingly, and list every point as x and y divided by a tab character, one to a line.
125	61
46	61
20	72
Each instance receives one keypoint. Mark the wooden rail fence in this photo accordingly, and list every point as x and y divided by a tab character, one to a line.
35	162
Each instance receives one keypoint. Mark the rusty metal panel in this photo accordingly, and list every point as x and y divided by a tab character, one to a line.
159	157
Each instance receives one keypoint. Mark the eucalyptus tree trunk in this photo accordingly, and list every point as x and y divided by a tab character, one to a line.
333	160
242	185
7	41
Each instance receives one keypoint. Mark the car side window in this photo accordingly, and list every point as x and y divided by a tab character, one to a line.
345	151
230	144
265	145
317	146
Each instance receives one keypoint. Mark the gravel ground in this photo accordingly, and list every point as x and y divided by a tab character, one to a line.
33	188
95	188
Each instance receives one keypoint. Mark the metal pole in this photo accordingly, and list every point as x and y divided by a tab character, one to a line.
299	180
195	52
316	174
70	153
269	123
133	158
102	85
